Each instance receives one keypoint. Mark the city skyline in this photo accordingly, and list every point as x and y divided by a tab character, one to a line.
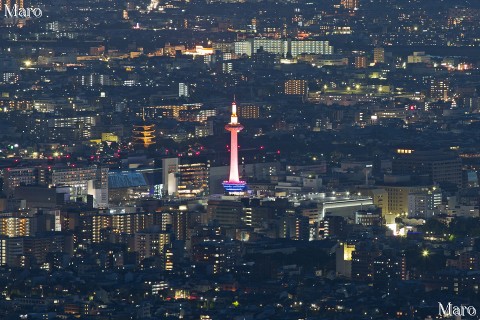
341	183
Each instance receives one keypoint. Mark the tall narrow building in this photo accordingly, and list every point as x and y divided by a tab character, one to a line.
234	185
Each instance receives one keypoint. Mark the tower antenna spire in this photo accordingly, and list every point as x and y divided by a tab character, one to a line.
234	185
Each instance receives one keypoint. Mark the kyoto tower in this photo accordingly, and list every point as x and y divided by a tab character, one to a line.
234	185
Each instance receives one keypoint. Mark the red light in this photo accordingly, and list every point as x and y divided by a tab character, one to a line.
67	156
262	147
278	151
412	107
197	153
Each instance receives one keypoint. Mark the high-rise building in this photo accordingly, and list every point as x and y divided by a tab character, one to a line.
183	90
180	224
360	62
439	89
15	224
363	259
379	55
234	185
150	243
193	180
350	4
333	226
294	227
226	213
215	256
296	87
249	111
388	269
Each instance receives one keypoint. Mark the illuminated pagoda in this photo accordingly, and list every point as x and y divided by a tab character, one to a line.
234	186
144	134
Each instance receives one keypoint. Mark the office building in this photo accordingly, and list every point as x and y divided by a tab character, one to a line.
249	111
82	181
424	204
296	87
192	180
439	166
224	212
369	217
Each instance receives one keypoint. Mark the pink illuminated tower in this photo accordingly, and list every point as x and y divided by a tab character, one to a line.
234	185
